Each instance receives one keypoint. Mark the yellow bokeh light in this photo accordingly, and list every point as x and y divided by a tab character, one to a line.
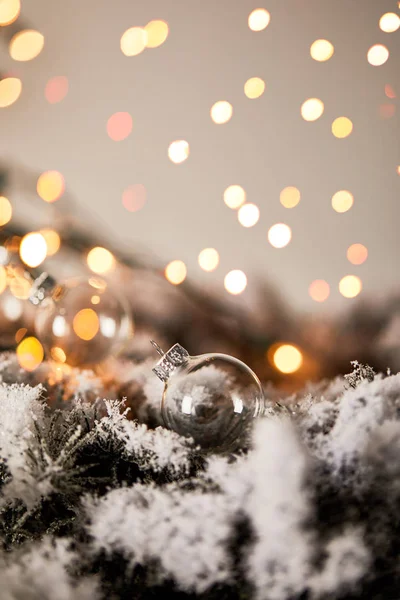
342	201
254	87
321	50
234	196
289	197
259	19
58	354
178	151
86	324
9	11
52	239
312	109
176	272
221	112
5	210
235	282
287	358
10	91
100	260
30	353
248	214
389	22
342	127
3	279
319	290
33	249
279	235
133	41
398	169
50	186
95	299
377	55
26	45
357	254
20	287
157	33
350	286
208	259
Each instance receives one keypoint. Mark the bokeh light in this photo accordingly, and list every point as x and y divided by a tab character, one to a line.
9	11
100	260
342	127
156	32
119	126
254	87
321	50
248	214
235	282
208	259
287	358
50	186
259	19
234	196
52	239
312	109
133	41
26	45
86	324
377	55
58	354
134	197
178	151
3	279
56	89
176	272
398	169
342	201
357	254
33	249
20	287
319	290
350	286
5	210
387	111
30	353
20	334
221	112
290	197
279	235
389	91
389	22
10	91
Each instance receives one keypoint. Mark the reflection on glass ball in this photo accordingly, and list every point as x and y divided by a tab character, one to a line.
82	322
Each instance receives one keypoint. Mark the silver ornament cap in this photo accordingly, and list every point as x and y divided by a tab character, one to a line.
169	361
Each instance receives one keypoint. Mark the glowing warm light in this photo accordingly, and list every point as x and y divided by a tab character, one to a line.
357	254
234	196
342	127
289	197
389	91
342	201
221	112
248	214
119	126
58	354
176	272
12	308
312	109
95	299
100	260
30	353
157	33
10	91
3	279
389	22
350	286
377	55
5	210
259	19
398	170
235	282
321	50
20	287
254	87
53	241
86	324
279	235
9	11
319	290
208	259
56	89
134	197
33	249
20	334
133	41
26	45
287	358
50	186
178	151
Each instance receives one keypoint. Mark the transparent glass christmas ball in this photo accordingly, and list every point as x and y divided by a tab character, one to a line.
82	321
212	398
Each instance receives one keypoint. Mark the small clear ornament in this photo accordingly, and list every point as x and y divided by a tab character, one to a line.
212	398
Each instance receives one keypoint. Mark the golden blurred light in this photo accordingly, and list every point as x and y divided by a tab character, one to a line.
350	286
56	89
3	279
9	11
58	354
30	353
312	109
98	284
10	91
178	151
95	299
33	249
254	87
319	290
50	186
176	272
157	33
20	334
5	210
20	287
133	41
259	19
321	50
26	45
248	214
53	241
134	197
100	260
342	201
289	197
377	55
234	196
389	91
389	22
398	169
208	259
86	324
279	235
235	282
119	126
287	358
221	112
342	127
357	254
